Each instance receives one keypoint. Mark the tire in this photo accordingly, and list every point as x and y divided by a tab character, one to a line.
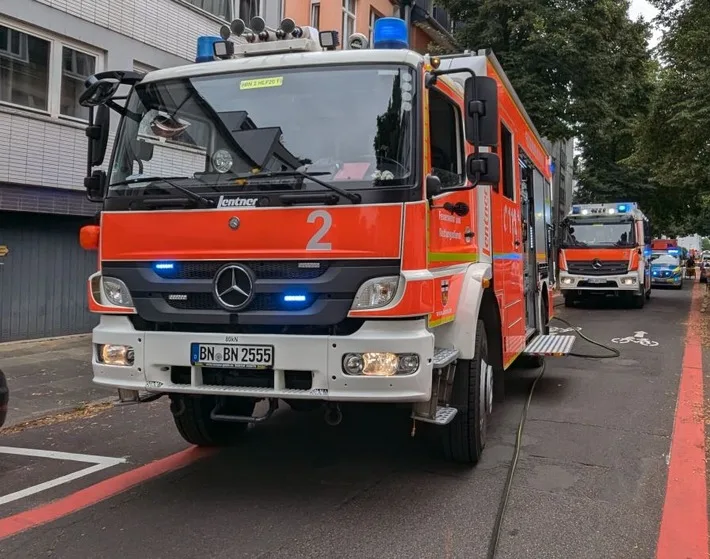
193	422
639	301
465	437
4	398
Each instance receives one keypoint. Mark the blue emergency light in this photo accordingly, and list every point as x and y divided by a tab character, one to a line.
576	209
205	48
390	33
164	268
294	298
621	208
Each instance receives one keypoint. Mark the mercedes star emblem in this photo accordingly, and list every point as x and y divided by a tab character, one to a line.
233	223
234	287
597	264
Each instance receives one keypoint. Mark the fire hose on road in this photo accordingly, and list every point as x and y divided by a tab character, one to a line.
500	516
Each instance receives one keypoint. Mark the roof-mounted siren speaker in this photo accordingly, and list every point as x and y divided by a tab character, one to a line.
258	26
240	29
358	41
289	27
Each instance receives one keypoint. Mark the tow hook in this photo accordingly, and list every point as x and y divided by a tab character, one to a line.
333	415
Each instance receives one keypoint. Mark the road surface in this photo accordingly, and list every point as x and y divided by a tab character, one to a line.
591	479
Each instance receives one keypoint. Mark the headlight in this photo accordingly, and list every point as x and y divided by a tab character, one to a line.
567	281
628	281
376	293
111	354
380	364
115	292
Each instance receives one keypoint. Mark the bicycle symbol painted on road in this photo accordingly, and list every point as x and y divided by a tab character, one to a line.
638	338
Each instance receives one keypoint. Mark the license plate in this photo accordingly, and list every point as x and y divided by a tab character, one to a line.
232	356
596	280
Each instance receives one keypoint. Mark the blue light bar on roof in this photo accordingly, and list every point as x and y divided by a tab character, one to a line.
621	208
390	33
205	48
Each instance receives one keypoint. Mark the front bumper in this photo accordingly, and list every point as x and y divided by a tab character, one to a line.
621	282
657	280
156	353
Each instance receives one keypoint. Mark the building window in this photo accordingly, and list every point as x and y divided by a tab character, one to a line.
76	67
374	16
315	15
348	20
248	9
24	69
220	8
141	68
44	73
446	139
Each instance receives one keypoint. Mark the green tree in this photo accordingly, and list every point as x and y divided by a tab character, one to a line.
581	68
674	138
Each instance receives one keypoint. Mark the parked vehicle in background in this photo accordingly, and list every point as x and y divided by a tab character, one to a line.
704	265
666	269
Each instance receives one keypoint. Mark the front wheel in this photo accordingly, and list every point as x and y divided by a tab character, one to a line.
472	394
192	419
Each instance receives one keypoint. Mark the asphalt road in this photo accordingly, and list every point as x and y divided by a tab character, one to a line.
590	480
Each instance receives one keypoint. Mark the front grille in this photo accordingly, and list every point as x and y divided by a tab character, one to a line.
608	267
260	302
274	270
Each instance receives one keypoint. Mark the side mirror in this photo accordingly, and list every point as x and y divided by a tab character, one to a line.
433	186
95	186
481	102
97	132
98	91
483	168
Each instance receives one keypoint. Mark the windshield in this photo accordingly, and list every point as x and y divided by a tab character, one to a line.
665	260
591	233
351	126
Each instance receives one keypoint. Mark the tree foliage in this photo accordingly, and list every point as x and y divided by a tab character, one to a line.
674	139
582	68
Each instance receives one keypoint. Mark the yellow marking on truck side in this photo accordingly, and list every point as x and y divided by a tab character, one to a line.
260	83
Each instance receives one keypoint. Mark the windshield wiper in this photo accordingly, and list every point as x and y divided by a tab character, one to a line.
354	197
194	196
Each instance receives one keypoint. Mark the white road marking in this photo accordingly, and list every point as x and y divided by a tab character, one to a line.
98	463
638	338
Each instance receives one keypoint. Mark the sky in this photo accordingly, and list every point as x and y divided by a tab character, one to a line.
648	12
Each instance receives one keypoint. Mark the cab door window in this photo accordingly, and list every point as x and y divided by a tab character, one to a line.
446	139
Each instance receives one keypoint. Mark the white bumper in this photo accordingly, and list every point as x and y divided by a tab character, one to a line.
622	282
157	352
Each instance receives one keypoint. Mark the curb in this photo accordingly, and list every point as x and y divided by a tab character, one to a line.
44	340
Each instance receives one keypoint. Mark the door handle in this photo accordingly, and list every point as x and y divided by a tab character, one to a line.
517	243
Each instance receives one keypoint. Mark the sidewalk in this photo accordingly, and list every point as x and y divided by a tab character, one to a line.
48	376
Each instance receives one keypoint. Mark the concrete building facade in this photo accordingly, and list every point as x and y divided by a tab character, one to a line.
47	49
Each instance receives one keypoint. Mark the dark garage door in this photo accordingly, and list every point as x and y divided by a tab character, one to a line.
43	277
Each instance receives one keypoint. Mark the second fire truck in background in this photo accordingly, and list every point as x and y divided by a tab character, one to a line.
603	251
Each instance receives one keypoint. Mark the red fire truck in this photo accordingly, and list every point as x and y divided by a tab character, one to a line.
284	221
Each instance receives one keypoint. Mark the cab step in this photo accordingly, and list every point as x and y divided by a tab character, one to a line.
550	345
444	356
444	416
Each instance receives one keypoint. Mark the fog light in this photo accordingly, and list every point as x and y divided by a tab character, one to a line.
567	281
380	364
110	354
628	281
